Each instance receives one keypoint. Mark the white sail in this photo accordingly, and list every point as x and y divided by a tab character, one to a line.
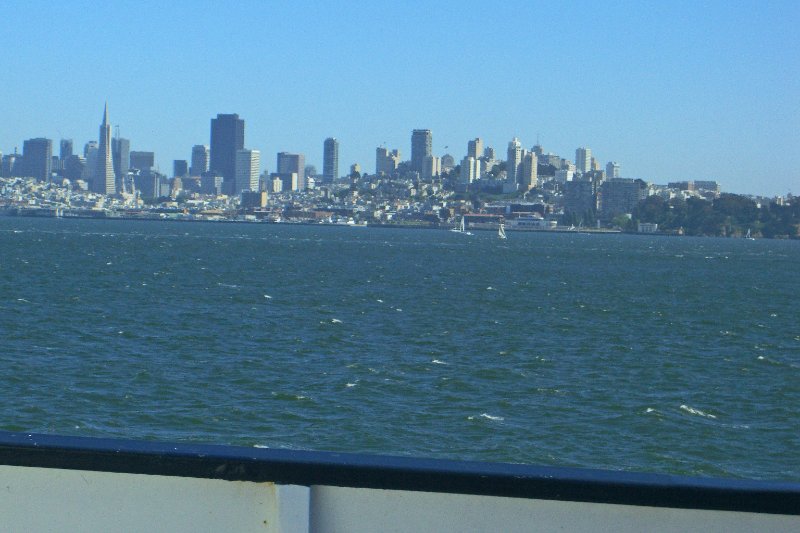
501	231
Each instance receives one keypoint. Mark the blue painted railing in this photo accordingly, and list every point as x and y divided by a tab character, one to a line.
306	468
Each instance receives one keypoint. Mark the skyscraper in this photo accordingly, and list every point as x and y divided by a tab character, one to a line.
330	159
421	141
528	178
583	160
612	170
143	161
37	158
514	160
66	149
199	160
180	168
104	180
121	155
288	163
475	148
227	137
247	169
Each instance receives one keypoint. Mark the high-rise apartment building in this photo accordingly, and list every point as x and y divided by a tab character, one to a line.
330	159
200	160
613	170
121	156
514	160
529	177
37	158
289	163
583	160
247	170
227	137
386	162
421	142
475	148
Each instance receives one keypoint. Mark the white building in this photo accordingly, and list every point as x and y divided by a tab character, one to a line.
247	170
583	159
514	160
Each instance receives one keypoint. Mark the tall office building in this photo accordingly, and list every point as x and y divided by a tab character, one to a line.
583	160
421	141
613	170
37	158
104	180
330	159
200	155
121	156
65	149
142	161
514	160
475	148
227	137
288	163
180	168
247	170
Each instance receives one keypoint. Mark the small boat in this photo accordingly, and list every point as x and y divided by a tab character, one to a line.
501	231
462	228
748	236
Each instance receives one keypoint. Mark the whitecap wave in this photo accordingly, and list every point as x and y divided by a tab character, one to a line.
697	412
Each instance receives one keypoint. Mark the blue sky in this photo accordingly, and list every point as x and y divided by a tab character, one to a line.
670	90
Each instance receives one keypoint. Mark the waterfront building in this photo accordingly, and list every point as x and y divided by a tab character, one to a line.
583	159
142	160
330	159
619	196
227	137
200	160
580	197
421	143
121	156
475	148
289	163
514	160
386	162
37	158
65	149
613	170
180	168
247	170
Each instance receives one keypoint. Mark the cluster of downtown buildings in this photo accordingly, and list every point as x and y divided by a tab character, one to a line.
224	179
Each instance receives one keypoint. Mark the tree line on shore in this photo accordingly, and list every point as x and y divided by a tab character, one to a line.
729	215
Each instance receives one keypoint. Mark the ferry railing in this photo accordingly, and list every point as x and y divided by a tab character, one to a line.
92	484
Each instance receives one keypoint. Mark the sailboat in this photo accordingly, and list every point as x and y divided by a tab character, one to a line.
462	228
501	231
748	236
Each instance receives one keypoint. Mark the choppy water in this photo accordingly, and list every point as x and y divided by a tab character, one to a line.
655	354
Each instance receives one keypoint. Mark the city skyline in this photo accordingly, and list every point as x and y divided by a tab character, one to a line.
658	89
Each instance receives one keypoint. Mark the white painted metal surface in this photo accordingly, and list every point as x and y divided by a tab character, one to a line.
45	499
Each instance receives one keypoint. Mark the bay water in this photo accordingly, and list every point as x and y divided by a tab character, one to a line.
642	353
